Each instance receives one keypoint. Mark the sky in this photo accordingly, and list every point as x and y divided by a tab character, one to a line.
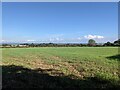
63	22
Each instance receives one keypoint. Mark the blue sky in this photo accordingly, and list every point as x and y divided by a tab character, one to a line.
59	22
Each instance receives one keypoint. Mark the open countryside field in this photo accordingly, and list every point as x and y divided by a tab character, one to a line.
63	67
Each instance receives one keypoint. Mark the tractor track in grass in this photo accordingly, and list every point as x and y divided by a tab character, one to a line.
36	64
60	66
69	68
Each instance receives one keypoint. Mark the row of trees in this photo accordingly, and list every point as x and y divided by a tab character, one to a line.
91	42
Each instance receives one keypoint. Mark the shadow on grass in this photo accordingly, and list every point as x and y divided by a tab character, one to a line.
115	57
20	77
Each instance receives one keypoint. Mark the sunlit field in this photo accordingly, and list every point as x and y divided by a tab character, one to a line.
63	67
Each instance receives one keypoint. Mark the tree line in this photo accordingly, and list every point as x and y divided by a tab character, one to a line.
91	42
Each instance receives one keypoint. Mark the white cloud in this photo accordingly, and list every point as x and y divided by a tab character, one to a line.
99	37
51	40
30	40
59	39
2	40
93	37
55	39
79	38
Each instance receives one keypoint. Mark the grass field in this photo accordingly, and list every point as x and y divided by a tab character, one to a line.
63	67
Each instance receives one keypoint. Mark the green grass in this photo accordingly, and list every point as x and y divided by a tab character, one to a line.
89	66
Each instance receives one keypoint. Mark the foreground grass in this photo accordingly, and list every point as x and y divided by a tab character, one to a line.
83	67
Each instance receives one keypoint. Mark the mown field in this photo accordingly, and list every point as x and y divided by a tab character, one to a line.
63	67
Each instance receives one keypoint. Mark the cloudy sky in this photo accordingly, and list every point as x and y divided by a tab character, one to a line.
59	22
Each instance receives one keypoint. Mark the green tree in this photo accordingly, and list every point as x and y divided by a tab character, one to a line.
108	44
117	42
91	42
